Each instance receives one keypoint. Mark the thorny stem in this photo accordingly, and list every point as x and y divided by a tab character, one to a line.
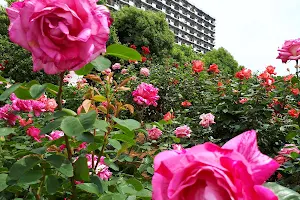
69	151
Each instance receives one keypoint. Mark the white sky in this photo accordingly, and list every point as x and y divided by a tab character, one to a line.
3	3
253	30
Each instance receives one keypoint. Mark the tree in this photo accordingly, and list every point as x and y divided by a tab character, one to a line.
143	28
222	58
184	54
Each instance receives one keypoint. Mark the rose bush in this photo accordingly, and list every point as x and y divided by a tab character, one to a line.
100	138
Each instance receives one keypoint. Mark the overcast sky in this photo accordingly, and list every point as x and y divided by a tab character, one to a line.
253	30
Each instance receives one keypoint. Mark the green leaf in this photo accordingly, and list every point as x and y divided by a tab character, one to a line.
93	147
101	63
89	187
3	184
22	166
135	183
283	193
23	91
6	131
96	180
9	91
69	112
71	126
85	70
131	124
81	169
123	52
144	193
295	155
51	126
101	125
87	120
115	144
61	164
99	98
86	137
124	138
51	88
31	177
127	190
3	79
37	90
52	184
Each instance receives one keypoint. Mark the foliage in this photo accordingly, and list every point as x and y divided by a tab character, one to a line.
143	28
184	54
223	59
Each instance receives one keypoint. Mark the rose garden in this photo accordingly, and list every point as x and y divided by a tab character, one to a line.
95	105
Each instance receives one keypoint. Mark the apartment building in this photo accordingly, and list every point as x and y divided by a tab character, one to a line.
190	24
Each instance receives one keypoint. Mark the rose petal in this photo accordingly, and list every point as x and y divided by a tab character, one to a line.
246	144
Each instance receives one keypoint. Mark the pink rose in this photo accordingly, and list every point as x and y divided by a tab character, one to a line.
290	50
107	71
51	105
235	171
288	149
7	114
55	135
154	133
243	100
207	120
183	131
124	71
144	71
116	66
146	94
82	146
61	35
280	159
34	133
102	170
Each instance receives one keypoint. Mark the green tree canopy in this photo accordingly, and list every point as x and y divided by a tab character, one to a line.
184	54
222	58
143	28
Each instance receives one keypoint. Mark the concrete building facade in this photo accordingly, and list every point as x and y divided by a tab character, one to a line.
190	24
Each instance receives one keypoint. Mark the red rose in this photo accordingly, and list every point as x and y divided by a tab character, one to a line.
145	50
213	68
198	66
186	104
133	46
169	116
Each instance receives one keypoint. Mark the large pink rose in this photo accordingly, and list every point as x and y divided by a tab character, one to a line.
61	34
146	94
207	171
290	50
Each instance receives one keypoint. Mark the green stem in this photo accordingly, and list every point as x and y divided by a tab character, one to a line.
69	151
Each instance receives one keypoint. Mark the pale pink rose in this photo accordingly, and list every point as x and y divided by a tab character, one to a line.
116	66
183	131
154	133
177	147
207	120
289	51
288	149
51	105
124	71
7	114
146	94
54	135
235	171
43	99
145	71
107	71
133	78
102	170
34	133
61	34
